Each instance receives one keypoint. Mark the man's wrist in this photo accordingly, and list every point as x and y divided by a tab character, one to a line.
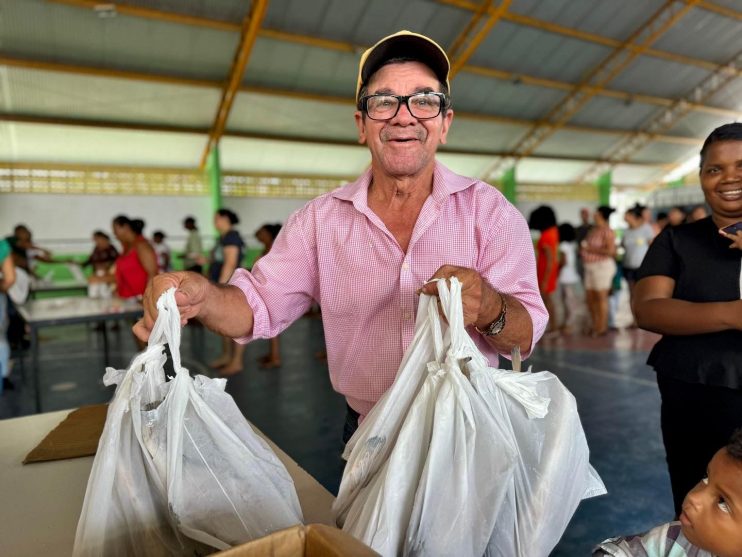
495	326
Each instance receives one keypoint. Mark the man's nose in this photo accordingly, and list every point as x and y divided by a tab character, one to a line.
403	116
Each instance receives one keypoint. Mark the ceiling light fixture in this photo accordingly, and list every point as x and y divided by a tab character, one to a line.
105	11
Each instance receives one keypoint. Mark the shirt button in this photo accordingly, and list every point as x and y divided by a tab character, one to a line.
405	265
407	315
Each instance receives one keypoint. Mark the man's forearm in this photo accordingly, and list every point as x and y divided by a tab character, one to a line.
226	311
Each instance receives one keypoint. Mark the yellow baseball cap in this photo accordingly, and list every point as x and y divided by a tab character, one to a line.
404	44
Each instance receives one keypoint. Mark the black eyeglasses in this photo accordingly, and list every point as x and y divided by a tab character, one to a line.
422	106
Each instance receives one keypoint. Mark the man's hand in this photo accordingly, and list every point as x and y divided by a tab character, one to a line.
481	302
190	296
736	238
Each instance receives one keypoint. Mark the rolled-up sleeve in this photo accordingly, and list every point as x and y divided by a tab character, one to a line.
283	283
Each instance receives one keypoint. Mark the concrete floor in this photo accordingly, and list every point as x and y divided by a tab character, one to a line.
295	406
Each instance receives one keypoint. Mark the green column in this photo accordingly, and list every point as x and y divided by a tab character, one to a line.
509	185
604	188
214	178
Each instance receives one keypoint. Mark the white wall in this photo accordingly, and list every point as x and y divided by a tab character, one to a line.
566	211
64	223
257	211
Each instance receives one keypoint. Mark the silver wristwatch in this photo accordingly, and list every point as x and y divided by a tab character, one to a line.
496	327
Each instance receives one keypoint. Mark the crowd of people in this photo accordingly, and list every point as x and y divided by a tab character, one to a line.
594	259
124	270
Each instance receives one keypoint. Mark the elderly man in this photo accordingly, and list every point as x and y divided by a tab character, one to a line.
364	251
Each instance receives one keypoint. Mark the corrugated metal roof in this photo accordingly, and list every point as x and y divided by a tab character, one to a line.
299	67
614	113
530	51
478	135
602	17
474	93
729	96
704	34
383	17
576	144
38	29
665	153
71	144
102	98
652	76
269	114
252	155
732	4
224	10
697	124
50	31
636	175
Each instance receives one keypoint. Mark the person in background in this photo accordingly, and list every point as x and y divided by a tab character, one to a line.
136	263
647	218
162	251
635	242
104	254
598	251
688	291
25	253
193	252
366	251
266	235
710	524
225	259
697	213
676	216
568	277
543	220
662	221
7	278
581	233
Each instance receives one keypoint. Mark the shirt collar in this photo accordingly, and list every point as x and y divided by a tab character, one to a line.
445	183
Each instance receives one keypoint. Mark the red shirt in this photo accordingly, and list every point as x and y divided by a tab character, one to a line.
548	242
131	276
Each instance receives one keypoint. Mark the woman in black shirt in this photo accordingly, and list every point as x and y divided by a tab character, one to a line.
225	258
689	291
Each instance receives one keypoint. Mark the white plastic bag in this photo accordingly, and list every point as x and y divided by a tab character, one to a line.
429	468
374	440
553	471
178	469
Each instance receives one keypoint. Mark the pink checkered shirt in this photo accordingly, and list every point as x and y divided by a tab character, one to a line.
335	250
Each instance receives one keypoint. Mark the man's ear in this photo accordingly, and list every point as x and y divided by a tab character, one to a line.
361	125
447	119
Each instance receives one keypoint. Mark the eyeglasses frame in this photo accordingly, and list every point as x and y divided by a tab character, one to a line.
363	104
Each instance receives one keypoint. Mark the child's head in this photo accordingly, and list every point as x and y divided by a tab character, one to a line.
158	236
712	511
101	239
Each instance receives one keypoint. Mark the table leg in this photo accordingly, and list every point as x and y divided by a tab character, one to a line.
35	366
105	344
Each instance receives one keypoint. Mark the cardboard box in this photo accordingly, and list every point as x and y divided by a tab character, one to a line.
313	540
